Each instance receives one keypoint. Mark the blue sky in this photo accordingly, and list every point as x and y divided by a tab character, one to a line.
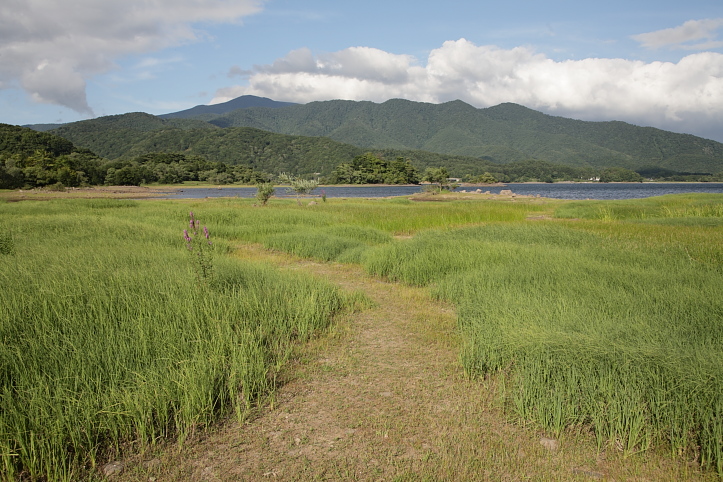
649	63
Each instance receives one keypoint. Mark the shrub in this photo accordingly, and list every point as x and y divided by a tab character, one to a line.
264	191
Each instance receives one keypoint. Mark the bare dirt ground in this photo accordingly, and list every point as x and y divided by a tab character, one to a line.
382	397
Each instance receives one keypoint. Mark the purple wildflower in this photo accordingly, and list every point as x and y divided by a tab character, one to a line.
205	232
187	238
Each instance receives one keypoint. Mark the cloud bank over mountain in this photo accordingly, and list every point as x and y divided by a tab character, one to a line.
685	95
57	52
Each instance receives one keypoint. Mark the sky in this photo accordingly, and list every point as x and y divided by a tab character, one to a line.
651	63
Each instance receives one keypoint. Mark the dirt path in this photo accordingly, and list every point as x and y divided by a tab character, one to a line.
383	397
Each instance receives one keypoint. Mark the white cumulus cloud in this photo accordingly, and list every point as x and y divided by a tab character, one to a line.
684	96
50	48
692	35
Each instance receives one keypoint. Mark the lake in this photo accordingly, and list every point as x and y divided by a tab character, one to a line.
551	190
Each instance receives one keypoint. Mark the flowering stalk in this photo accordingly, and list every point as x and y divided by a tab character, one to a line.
199	249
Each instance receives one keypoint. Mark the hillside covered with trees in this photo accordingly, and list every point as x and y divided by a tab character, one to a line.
502	134
37	159
131	135
30	159
389	142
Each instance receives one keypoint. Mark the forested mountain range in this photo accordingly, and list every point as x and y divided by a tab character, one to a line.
503	133
141	148
316	137
131	135
156	150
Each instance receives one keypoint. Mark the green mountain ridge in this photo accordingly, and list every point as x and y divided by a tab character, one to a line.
323	134
459	128
132	135
144	148
152	149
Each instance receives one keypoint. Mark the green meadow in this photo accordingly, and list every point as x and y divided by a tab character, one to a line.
111	341
605	317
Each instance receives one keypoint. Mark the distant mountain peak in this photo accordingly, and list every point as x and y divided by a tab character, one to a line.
243	102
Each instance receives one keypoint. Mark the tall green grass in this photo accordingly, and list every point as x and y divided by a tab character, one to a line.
618	333
611	322
394	216
344	230
340	242
109	341
401	218
655	209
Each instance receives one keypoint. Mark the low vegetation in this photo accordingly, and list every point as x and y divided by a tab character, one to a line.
115	335
612	325
298	186
601	317
590	330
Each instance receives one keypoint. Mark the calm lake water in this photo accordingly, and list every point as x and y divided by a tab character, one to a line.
560	191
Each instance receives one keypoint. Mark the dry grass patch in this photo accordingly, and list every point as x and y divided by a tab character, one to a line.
96	192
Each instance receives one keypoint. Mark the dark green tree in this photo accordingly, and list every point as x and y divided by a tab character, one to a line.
370	169
439	176
485	178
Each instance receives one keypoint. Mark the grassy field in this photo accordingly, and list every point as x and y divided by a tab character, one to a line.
614	325
110	341
605	317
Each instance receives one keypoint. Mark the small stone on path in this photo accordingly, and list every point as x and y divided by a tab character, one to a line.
112	468
550	444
